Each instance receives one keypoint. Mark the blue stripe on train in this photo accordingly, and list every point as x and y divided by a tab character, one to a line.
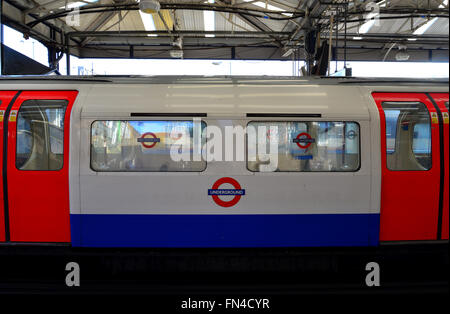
225	230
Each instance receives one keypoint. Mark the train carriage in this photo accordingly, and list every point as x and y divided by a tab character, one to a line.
89	162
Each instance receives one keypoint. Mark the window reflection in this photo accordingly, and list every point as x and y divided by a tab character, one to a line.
408	136
307	146
40	135
146	145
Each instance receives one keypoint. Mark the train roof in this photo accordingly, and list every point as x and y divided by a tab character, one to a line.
257	80
223	96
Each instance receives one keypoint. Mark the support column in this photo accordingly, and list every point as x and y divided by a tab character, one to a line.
1	38
67	42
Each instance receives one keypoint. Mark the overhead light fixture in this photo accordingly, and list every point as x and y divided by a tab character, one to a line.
149	23
77	4
176	53
357	38
149	6
365	28
267	6
402	55
372	18
178	43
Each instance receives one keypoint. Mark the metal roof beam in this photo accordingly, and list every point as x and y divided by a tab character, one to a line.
52	5
255	22
247	53
315	9
402	36
178	33
199	42
101	20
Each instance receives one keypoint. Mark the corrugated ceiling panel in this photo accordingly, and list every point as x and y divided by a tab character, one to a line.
276	26
191	20
441	26
406	29
166	20
223	24
131	21
401	26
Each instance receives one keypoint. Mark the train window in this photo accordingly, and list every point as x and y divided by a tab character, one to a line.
391	129
408	136
305	146
40	135
154	146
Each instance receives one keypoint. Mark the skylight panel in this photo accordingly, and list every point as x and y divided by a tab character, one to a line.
209	20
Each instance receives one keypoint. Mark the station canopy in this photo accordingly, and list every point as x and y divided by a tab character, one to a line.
236	29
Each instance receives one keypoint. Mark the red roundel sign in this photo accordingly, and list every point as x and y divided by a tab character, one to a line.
216	192
149	140
304	140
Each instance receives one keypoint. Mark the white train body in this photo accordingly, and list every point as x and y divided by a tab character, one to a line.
175	209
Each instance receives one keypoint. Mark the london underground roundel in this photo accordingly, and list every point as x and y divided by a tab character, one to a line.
149	140
216	192
304	140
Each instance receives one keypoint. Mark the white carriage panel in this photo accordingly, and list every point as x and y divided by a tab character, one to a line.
187	193
219	100
75	149
375	150
312	193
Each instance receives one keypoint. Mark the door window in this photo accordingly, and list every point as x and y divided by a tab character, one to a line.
40	135
408	136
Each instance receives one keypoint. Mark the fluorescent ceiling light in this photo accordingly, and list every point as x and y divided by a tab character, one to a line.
371	19
425	27
149	23
77	4
149	6
263	5
209	18
357	38
287	53
269	7
366	27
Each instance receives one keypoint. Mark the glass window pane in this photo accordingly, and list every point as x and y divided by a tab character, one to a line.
408	136
157	146
40	135
306	146
391	129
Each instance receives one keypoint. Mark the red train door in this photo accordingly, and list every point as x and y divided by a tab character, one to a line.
38	166
6	98
441	102
411	168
